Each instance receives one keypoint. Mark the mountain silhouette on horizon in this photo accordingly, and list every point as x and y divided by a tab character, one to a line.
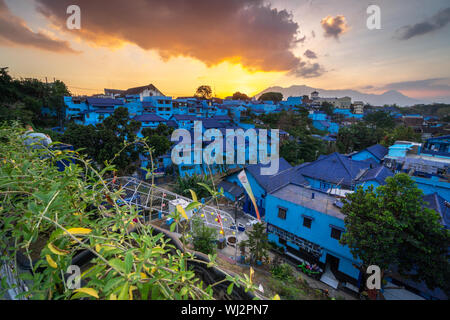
388	97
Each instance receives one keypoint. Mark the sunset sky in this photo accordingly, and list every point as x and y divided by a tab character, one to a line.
232	45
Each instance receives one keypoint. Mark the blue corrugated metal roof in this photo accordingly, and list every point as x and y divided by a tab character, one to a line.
211	123
335	168
268	182
182	117
231	188
437	203
149	118
172	124
324	123
378	151
218	117
378	173
109	110
104	102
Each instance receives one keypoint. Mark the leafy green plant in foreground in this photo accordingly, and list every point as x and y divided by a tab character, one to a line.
49	216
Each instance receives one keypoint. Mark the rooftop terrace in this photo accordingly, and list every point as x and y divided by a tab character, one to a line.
322	202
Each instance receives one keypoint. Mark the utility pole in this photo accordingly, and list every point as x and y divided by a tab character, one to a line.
236	226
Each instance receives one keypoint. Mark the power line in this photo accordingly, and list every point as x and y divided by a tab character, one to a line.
85	88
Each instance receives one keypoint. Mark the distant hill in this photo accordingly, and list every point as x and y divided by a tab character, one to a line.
389	97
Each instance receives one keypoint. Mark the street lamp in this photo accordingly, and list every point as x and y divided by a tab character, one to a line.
236	226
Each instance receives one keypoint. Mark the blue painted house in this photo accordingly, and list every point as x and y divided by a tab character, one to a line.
323	125
150	120
433	185
437	147
159	105
75	109
303	213
291	102
90	110
376	152
184	121
427	166
260	184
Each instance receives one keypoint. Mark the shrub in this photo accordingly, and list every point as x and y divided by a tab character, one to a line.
49	216
203	237
282	271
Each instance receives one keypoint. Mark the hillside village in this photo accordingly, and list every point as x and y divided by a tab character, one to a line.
301	205
225	156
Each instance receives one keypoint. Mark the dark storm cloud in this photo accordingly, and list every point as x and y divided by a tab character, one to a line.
334	26
310	54
308	70
241	31
14	31
436	22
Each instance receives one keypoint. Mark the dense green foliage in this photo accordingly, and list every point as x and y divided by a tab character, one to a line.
203	237
361	135
106	140
271	96
307	150
257	243
204	92
302	147
240	96
380	119
24	100
440	110
357	136
49	216
184	184
327	108
390	227
282	271
401	133
158	139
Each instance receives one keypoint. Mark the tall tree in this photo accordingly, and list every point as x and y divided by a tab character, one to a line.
327	108
390	227
271	96
106	140
307	150
357	137
24	99
160	144
204	92
240	96
380	119
402	133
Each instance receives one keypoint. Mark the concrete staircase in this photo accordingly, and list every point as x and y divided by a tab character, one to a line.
329	278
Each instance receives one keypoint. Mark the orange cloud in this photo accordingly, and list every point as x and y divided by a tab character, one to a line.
334	26
246	32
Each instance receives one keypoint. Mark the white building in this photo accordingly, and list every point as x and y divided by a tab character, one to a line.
143	91
339	103
358	107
